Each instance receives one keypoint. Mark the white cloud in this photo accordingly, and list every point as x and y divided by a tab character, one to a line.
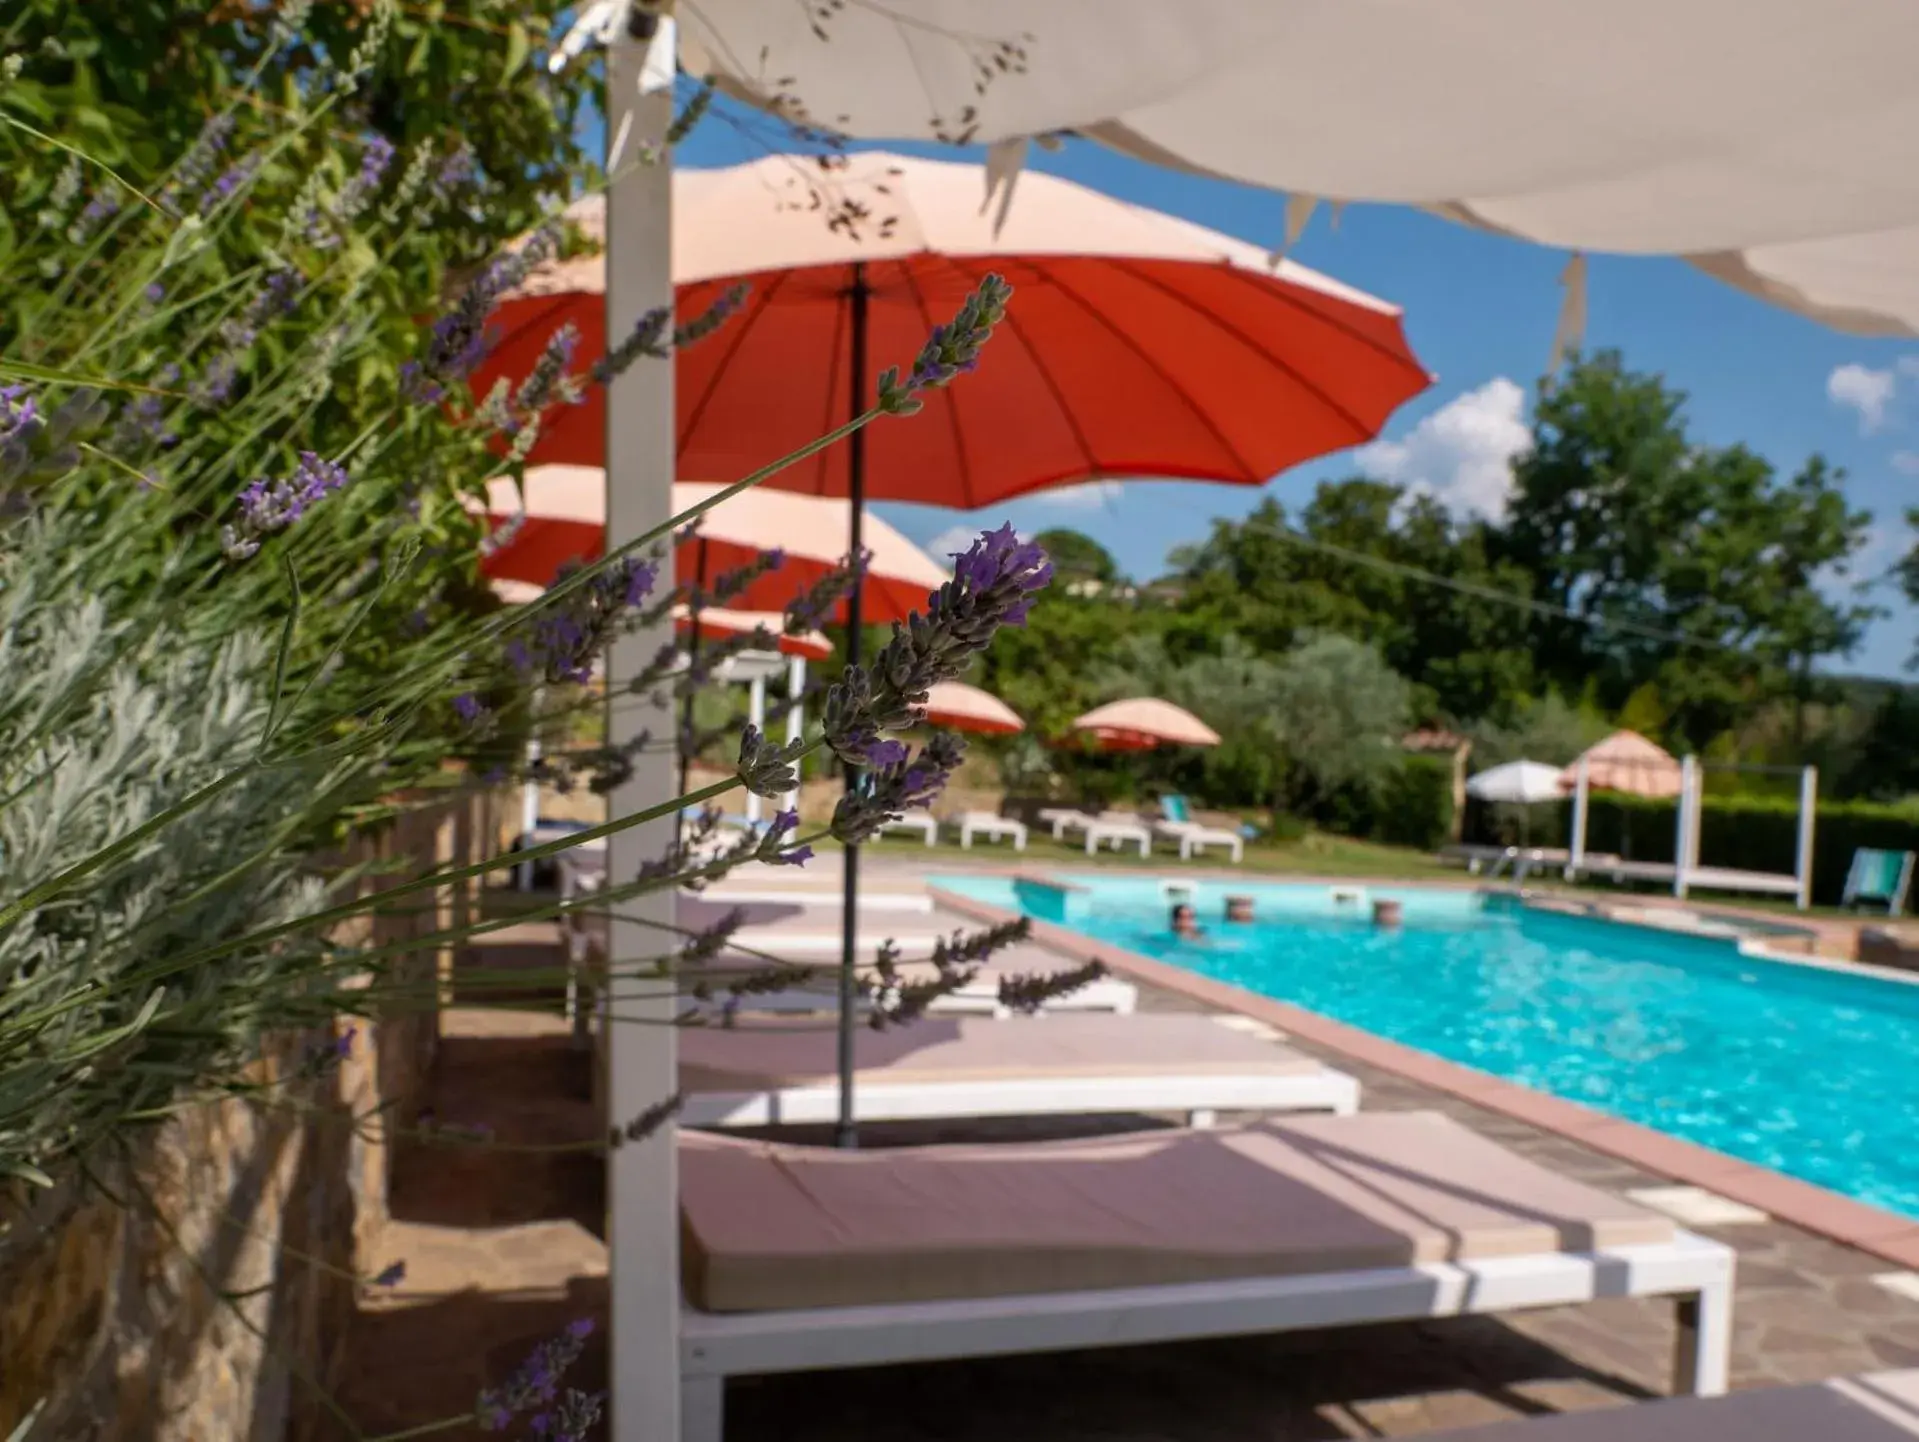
951	541
1906	462
1088	497
955	539
1865	391
1462	453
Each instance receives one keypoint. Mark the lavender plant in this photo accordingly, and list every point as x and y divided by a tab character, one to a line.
235	631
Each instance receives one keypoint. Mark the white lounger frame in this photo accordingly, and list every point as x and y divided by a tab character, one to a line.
1696	1273
993	828
1107	994
1200	1097
923	822
1192	838
1119	833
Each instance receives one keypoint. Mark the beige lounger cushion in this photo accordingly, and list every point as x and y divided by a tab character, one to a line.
762	1054
769	1227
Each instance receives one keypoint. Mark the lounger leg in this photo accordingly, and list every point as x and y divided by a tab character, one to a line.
702	1409
1702	1350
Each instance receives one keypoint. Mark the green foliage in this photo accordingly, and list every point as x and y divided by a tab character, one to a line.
1338	711
1690	566
117	724
1414	803
1548	730
1077	557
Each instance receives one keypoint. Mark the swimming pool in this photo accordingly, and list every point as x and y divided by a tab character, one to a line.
1810	1072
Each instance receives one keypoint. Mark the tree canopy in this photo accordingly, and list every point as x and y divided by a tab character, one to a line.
1636	578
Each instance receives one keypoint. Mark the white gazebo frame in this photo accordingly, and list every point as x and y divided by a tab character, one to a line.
1685	871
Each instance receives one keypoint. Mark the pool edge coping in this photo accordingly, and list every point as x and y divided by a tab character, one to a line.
1806	1205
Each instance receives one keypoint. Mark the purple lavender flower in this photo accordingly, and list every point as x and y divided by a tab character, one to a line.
18	410
882	751
765	769
101	207
197	164
703	945
143	422
572	1419
951	350
537	390
1000	559
537	1382
814	608
155	293
892	790
655	335
231	181
268	508
459	339
468	708
354	195
568	633
456	172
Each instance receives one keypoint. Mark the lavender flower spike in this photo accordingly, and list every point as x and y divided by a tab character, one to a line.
537	1383
951	350
268	509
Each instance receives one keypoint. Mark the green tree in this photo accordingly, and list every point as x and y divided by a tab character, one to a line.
1078	557
1687	565
1338	711
1373	562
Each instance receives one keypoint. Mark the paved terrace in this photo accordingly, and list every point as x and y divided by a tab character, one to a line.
503	1248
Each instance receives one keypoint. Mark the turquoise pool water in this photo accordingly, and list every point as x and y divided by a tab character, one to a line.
1809	1072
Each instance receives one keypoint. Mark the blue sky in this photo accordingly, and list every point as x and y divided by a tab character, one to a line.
1481	312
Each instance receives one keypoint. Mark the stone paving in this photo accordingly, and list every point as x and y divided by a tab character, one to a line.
503	1248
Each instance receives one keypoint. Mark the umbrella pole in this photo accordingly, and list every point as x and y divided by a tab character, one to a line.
846	1134
692	659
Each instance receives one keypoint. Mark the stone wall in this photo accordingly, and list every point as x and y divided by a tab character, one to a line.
112	1322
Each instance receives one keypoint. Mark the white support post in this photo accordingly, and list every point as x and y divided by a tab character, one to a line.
1682	843
642	1180
1808	819
530	796
756	714
1582	795
795	721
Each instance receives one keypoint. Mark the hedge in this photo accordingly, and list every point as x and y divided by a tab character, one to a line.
1746	833
1414	803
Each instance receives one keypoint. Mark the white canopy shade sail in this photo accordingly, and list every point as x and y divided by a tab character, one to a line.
1772	143
1521	782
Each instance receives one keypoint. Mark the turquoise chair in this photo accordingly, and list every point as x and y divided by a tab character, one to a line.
1879	878
1174	808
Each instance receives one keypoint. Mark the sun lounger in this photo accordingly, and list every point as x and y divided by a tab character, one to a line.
979	997
764	1073
1191	837
800	1259
993	828
923	822
782	930
1062	819
1878	1407
1119	830
1879	878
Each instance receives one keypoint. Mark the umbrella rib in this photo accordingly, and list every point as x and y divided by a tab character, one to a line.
1152	363
1012	323
1212	316
742	326
952	407
1273	360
